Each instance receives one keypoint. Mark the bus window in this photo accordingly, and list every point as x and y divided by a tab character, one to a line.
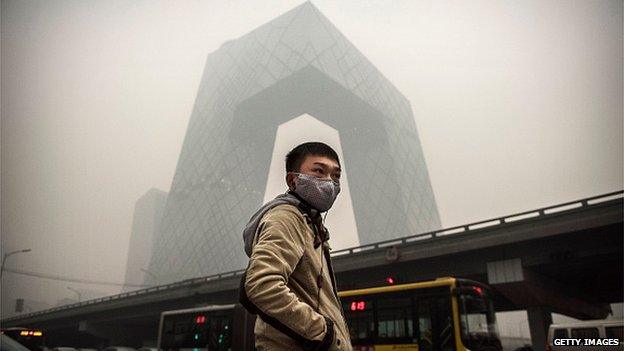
359	315
477	318
419	316
362	326
395	320
585	333
444	323
425	335
207	328
435	324
219	333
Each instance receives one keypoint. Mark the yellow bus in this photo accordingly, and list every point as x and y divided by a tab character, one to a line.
437	315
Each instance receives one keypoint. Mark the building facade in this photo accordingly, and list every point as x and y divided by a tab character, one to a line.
298	63
148	212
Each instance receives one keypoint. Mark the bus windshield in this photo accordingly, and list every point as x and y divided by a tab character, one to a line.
196	329
477	318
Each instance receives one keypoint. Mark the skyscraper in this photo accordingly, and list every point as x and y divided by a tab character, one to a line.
148	212
298	63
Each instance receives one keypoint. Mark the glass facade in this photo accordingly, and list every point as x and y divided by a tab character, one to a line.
298	63
148	212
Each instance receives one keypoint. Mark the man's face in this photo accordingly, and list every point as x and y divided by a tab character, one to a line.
318	166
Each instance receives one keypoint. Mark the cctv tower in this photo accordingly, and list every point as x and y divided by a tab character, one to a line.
299	63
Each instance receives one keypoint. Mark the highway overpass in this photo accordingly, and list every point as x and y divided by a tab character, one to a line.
566	258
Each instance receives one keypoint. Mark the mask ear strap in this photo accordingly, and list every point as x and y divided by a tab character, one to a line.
289	188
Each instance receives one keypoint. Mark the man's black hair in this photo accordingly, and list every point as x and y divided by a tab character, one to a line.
295	157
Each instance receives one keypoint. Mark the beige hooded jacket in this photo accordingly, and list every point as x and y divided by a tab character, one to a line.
290	284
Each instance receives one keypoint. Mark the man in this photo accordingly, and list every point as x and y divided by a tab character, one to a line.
289	282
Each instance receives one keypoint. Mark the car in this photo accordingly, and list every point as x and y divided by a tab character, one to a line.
8	344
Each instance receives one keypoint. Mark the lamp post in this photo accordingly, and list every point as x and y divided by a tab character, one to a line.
75	292
6	255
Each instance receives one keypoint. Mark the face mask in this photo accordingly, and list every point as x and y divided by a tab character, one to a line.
320	193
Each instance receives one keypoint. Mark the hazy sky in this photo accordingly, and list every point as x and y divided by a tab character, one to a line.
518	105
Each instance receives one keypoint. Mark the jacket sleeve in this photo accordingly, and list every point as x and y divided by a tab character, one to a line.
280	246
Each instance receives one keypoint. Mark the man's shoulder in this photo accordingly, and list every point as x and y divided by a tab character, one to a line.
284	212
289	219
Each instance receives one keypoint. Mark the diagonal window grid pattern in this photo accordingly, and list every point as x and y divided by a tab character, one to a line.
200	233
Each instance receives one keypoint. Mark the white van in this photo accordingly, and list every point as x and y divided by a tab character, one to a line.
586	335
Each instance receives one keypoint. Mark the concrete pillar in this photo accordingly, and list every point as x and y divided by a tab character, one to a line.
539	321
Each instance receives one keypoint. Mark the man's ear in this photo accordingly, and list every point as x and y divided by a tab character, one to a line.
290	180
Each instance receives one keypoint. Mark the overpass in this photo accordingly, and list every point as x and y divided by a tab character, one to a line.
566	258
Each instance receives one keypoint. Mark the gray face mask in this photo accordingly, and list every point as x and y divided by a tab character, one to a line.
320	193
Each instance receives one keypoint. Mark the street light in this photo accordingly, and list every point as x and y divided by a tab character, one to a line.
6	255
75	292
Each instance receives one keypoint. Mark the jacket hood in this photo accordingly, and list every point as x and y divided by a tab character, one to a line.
288	198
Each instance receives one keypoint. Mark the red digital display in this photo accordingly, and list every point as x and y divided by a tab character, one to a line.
200	319
358	306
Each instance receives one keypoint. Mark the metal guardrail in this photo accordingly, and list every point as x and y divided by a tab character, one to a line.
466	228
187	282
540	212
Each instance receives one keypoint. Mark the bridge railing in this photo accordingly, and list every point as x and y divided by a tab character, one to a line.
466	228
187	282
540	212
